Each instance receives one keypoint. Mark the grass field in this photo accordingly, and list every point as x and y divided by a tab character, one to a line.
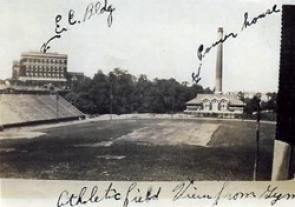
139	150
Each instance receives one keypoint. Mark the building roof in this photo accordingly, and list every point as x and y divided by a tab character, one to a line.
42	55
200	97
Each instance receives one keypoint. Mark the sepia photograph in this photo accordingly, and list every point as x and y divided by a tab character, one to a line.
151	103
160	91
169	90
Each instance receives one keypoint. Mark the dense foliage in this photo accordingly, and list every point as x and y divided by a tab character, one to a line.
270	105
120	92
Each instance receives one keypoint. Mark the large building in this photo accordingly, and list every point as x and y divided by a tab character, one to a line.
41	68
218	103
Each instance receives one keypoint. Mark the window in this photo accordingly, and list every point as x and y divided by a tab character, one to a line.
224	105
207	105
215	105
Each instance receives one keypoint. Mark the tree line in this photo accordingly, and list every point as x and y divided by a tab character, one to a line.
120	92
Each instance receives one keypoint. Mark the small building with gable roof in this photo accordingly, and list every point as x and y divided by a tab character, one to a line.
215	103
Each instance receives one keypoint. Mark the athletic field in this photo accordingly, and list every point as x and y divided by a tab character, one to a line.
140	150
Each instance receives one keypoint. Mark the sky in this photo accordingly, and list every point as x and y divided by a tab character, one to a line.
158	38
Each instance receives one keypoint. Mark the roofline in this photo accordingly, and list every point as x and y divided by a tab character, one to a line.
223	98
44	54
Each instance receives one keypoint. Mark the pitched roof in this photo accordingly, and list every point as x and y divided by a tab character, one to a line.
200	97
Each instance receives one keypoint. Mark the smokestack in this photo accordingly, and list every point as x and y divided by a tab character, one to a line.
218	81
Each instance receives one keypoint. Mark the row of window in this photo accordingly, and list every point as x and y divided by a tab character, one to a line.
209	107
45	60
215	100
51	75
44	67
33	69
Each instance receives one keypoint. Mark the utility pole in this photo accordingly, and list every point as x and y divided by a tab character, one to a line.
72	87
57	105
258	117
111	101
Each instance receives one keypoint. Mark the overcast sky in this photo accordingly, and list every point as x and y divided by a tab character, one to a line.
158	38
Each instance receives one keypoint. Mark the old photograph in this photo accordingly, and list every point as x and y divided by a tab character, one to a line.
167	90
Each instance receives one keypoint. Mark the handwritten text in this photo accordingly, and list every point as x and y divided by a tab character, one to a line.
201	52
92	9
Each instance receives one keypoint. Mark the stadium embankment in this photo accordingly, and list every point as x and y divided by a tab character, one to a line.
32	109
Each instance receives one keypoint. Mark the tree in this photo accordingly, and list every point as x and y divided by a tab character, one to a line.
252	105
272	102
141	94
131	95
123	89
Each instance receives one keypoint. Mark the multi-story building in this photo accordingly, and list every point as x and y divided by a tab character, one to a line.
42	68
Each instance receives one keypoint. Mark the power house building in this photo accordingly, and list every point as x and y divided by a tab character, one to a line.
218	103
